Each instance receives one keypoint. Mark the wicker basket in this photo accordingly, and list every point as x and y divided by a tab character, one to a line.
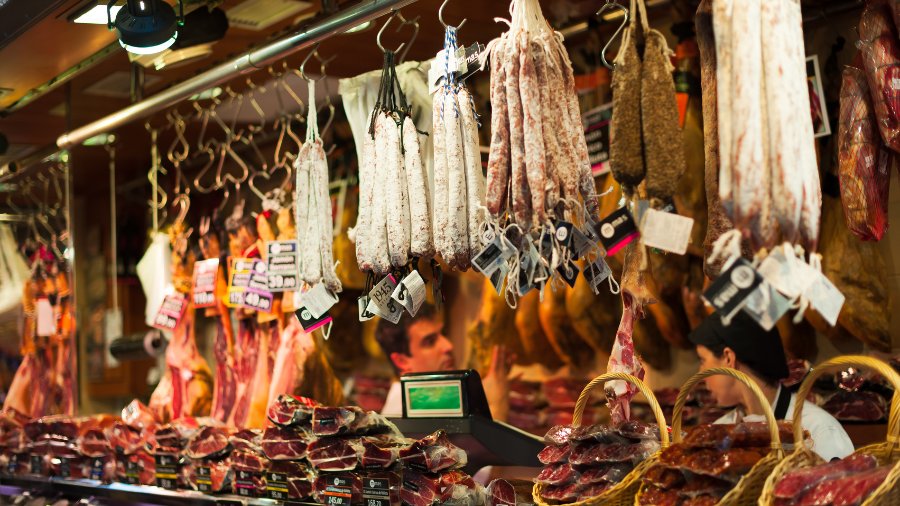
746	492
622	494
886	453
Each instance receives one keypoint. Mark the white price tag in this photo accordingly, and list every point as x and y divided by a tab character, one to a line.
46	320
787	273
825	298
666	231
318	300
596	273
766	305
380	302
410	292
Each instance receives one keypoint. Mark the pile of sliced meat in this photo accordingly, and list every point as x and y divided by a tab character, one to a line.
587	461
848	481
710	461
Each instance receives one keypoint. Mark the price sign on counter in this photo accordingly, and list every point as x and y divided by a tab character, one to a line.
248	484
167	472
204	480
339	490
283	266
204	286
170	311
376	490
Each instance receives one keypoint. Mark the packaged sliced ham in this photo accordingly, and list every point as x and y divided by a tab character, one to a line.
289	410
348	421
864	162
433	453
279	443
557	474
588	454
420	489
247	440
729	464
796	483
334	454
381	452
209	442
880	50
742	435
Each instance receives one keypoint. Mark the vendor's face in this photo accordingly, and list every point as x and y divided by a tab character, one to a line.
429	350
723	388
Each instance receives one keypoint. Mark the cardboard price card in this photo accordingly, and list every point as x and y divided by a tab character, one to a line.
283	266
249	285
617	230
171	311
204	286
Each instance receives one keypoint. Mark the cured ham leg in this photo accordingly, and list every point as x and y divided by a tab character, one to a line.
190	375
625	360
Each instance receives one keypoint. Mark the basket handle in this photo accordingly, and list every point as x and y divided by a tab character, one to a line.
585	397
888	372
743	378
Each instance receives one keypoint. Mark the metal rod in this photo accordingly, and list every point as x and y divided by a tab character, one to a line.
248	62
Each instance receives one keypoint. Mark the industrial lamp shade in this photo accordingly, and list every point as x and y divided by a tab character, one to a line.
146	26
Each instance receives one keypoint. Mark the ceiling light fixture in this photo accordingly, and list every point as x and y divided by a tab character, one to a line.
146	26
94	13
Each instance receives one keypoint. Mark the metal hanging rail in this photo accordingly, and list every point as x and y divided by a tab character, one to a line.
248	62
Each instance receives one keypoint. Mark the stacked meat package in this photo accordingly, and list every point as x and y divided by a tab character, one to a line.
707	464
847	482
587	461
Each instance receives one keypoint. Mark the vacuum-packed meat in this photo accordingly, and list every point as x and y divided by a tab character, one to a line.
289	410
420	489
795	483
210	442
334	454
280	443
433	453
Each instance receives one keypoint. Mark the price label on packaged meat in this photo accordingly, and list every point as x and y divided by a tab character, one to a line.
596	133
37	464
318	299
617	230
362	305
247	484
203	288
132	471
310	322
596	273
410	292
666	231
766	305
13	465
825	298
381	303
98	464
376	491
167	471
171	311
277	486
204	479
730	291
283	266
338	491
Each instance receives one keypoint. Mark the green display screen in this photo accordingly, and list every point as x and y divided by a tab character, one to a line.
433	398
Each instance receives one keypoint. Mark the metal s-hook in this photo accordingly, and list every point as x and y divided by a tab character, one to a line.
441	16
415	24
314	52
612	4
381	31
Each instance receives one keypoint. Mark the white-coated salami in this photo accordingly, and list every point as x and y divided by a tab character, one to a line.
421	240
722	17
362	231
397	203
441	194
324	217
457	219
381	262
474	175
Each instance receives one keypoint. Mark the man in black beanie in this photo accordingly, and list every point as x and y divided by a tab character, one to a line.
745	346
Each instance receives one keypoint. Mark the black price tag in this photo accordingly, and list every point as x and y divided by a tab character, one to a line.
310	322
277	486
617	230
97	466
132	472
246	483
65	468
563	232
204	481
730	291
338	491
569	272
167	472
376	491
37	464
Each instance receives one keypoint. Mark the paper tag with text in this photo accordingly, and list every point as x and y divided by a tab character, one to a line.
730	291
825	298
596	273
786	273
362	304
380	301
766	305
318	299
496	253
310	322
170	311
282	266
410	292
666	231
203	289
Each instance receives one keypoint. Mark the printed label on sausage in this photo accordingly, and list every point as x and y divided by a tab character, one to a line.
666	231
381	303
410	292
283	266
203	287
318	299
731	290
171	311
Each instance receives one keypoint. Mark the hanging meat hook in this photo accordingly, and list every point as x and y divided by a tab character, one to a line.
441	16
381	31
613	4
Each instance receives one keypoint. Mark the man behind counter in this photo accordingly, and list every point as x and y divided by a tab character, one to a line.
418	344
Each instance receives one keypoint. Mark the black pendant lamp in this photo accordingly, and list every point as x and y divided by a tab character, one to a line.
146	26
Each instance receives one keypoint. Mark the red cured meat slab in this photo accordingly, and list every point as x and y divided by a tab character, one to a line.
289	410
845	491
554	454
124	439
247	440
599	453
279	443
559	435
860	406
613	473
420	489
653	496
501	493
348	420
248	461
433	453
561	493
795	483
557	474
381	453
210	442
334	454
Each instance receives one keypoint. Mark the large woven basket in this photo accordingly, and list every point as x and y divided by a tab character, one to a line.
746	492
888	494
622	494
